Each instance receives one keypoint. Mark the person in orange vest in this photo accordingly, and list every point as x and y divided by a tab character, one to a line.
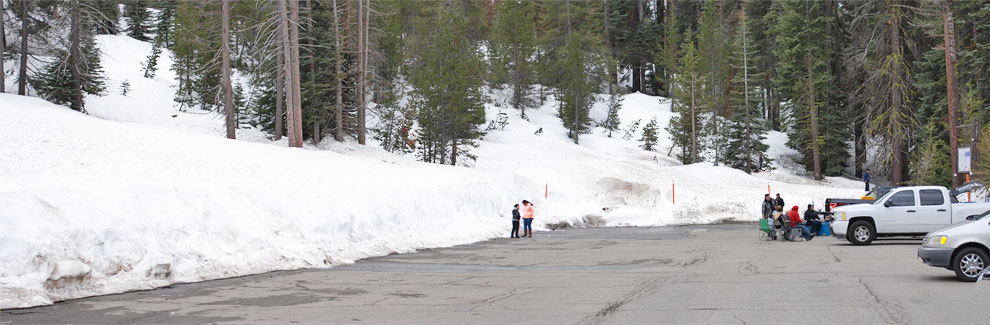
528	215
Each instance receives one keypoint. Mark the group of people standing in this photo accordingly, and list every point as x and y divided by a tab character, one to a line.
528	212
773	210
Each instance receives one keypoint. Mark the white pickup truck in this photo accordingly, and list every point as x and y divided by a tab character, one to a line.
904	211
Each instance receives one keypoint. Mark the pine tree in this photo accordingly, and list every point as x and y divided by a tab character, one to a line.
576	93
197	43
689	89
151	66
165	22
667	57
973	39
106	21
713	49
138	19
396	119
513	45
125	87
649	138
76	70
887	92
930	163
804	78
611	122
581	67
762	17
446	91
636	38
747	127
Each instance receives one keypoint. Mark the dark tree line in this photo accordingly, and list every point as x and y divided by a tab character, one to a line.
853	83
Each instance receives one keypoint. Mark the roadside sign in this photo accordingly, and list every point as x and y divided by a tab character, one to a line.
965	159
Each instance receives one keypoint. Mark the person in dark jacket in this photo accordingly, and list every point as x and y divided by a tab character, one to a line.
767	213
811	219
866	179
515	222
779	201
767	206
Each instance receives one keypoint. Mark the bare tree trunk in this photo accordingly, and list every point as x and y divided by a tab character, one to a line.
23	76
279	93
859	144
816	155
74	60
608	44
574	123
338	132
3	48
749	149
290	80
694	134
317	132
896	102
367	55
295	111
453	151
360	76
952	89
228	91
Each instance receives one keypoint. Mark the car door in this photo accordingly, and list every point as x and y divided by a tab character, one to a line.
900	213
934	211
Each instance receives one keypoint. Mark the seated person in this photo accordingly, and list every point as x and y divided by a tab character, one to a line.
812	220
796	223
781	220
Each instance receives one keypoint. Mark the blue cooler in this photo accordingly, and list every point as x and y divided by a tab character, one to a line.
824	231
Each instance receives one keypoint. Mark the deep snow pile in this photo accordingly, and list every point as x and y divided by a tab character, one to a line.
140	195
89	206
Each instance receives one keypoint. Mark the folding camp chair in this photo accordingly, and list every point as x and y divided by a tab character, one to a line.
766	231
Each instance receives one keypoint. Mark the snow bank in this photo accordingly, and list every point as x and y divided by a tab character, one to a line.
143	195
89	206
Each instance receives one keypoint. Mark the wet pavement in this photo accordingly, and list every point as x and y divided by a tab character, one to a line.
685	274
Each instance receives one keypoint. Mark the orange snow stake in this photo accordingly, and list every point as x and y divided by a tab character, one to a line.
768	187
969	195
673	194
546	190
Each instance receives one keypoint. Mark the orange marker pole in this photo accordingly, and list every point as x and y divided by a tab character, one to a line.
768	187
969	195
546	190
673	194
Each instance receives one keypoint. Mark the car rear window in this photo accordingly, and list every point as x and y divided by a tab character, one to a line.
902	199
931	197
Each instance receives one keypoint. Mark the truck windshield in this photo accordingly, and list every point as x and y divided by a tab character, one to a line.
884	197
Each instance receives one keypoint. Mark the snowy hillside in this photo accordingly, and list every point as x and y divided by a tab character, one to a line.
626	185
139	195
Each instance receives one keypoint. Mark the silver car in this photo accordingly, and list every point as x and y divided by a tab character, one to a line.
963	247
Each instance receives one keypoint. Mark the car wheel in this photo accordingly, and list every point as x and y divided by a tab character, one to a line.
862	233
969	263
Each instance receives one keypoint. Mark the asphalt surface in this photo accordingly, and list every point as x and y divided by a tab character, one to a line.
693	274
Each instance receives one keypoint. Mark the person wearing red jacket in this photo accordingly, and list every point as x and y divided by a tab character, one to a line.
796	223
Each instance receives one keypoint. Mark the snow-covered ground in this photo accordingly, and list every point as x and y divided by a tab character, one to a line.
139	195
617	180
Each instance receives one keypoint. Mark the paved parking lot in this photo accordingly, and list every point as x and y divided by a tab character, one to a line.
691	274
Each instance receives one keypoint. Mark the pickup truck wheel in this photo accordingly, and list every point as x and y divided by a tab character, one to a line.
969	264
861	233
